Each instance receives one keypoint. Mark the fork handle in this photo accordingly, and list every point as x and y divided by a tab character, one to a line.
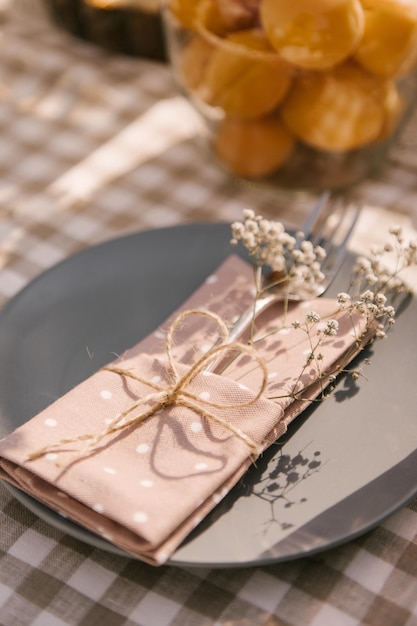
251	313
245	320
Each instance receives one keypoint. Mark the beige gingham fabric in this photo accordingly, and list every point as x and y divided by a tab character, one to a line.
93	146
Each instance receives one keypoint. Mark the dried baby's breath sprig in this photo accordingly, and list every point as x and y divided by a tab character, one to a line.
373	307
272	247
280	259
368	301
381	270
317	331
377	281
312	373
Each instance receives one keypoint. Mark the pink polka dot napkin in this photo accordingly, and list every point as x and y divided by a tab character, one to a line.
147	486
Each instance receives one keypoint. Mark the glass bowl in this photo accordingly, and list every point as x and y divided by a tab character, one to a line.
307	94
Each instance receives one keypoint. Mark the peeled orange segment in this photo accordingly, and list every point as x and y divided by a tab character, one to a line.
337	110
193	61
315	34
389	44
394	106
185	11
243	77
253	148
226	16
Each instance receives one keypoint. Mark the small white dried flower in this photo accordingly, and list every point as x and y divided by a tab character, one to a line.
360	307
264	226
396	230
312	317
252	226
332	327
362	264
367	296
248	214
388	310
372	309
276	229
237	229
380	299
344	298
307	247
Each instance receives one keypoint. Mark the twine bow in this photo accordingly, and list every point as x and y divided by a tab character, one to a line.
175	393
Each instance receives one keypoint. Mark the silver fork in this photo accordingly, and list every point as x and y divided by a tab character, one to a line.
330	225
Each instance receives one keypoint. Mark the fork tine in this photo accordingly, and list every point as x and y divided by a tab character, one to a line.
340	249
330	224
325	227
311	221
335	243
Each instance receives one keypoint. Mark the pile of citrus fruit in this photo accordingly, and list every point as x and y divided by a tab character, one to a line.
280	73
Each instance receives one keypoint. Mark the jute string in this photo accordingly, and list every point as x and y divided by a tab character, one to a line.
175	393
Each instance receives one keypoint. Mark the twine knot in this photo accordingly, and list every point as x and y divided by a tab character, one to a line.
176	392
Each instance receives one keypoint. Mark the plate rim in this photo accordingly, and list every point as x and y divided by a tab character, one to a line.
78	532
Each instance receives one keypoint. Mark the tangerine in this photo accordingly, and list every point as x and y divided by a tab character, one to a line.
193	61
314	34
244	77
389	44
394	106
253	148
185	11
338	110
226	16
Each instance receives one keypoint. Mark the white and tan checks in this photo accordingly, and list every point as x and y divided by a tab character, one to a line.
93	146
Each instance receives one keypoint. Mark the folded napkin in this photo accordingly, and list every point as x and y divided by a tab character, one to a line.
147	485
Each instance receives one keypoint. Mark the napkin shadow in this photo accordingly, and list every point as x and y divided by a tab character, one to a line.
272	479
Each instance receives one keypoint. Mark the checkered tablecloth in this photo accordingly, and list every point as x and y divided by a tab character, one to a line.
93	146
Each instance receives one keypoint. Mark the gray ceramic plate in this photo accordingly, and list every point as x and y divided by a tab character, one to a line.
342	469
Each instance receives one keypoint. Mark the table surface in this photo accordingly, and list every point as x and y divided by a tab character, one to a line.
94	146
